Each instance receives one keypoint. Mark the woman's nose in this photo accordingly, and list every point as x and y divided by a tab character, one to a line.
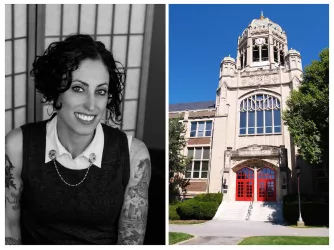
90	103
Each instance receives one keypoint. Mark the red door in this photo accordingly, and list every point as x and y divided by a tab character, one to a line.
245	184
266	185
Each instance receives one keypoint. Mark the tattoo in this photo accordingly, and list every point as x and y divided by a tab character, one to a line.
9	175
134	212
131	233
142	173
12	241
16	199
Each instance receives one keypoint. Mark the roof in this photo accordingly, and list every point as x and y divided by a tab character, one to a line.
191	106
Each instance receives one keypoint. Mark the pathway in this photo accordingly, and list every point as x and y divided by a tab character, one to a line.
218	232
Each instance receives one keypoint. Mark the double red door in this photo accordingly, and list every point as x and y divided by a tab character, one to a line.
266	185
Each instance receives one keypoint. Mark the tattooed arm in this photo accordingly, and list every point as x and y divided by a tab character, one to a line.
132	221
13	187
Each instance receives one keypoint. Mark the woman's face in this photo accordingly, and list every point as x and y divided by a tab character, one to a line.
84	102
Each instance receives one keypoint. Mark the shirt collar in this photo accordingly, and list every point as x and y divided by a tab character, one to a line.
52	142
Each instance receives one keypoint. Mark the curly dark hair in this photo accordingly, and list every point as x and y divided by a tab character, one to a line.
52	71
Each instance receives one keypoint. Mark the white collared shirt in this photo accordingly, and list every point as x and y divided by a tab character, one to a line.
64	157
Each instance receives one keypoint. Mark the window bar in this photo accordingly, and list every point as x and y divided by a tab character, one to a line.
126	61
14	38
139	133
111	41
79	17
13	66
18	107
112	28
61	21
27	64
16	74
96	16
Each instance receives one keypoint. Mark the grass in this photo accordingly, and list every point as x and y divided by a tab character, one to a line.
186	222
284	240
295	226
178	237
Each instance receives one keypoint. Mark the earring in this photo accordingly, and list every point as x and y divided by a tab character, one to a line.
47	110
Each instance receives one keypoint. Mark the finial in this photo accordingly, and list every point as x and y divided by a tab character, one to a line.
261	17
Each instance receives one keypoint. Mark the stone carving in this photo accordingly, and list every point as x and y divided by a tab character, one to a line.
260	72
259	79
251	80
275	79
243	81
266	79
256	150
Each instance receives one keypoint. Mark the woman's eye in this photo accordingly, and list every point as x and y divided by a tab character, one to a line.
101	92
77	89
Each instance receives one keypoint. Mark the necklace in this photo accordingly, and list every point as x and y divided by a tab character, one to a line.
52	155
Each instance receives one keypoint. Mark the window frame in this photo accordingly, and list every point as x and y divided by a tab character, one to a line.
196	160
251	104
197	130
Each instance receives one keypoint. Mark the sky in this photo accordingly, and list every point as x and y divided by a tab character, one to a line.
200	36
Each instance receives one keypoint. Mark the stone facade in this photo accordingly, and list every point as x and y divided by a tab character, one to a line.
262	76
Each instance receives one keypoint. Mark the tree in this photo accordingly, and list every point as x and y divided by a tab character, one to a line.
307	113
177	161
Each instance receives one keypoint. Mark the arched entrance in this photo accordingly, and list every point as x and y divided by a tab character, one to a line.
245	184
266	184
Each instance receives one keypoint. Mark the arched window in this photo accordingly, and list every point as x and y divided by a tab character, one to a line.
260	114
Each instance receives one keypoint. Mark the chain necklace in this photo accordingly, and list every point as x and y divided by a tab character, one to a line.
52	155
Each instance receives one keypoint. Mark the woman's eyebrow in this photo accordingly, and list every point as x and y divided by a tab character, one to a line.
86	84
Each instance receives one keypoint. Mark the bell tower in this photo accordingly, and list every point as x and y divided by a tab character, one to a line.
263	44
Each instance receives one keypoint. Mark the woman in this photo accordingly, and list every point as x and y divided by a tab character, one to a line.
71	179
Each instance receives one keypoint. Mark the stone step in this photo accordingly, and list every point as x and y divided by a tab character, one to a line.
261	211
267	211
232	210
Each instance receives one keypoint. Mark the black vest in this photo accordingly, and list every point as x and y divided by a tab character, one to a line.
55	213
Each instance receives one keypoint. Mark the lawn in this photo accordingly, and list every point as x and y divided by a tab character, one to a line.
186	222
178	237
284	240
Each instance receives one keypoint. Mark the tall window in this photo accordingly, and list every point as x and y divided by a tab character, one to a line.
243	57
242	61
201	128
199	166
260	114
264	53
260	49
256	54
281	58
275	54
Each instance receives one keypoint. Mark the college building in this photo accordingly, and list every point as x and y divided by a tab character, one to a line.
238	143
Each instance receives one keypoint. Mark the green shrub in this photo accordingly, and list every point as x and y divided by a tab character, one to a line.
215	197
314	209
174	202
197	210
173	215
